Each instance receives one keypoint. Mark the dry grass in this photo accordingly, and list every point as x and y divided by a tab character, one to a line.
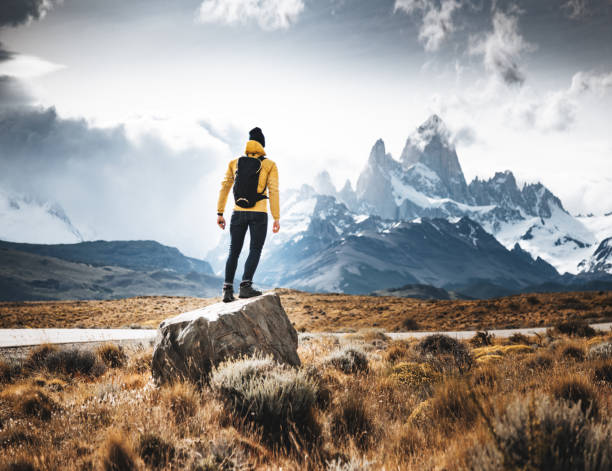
406	411
329	312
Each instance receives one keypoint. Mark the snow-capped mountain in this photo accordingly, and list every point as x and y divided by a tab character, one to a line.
326	247
428	181
28	220
601	260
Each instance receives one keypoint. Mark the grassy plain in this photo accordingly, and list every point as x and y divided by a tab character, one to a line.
366	403
328	312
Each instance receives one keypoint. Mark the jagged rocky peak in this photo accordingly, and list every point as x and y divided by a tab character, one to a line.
540	201
323	184
430	145
348	196
501	190
374	185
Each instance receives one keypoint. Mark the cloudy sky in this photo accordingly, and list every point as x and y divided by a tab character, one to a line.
126	113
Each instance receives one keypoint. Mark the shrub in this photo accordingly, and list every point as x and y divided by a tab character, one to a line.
544	434
575	327
155	451
418	375
140	362
601	351
274	397
452	402
372	335
9	371
30	401
182	399
519	339
533	300
408	440
397	351
482	339
349	359
73	361
117	454
539	361
602	371
577	389
439	347
351	418
38	355
572	352
410	324
112	355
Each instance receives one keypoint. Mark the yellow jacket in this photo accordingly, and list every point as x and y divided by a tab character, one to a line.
268	176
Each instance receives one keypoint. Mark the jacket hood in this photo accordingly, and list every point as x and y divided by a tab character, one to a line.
254	148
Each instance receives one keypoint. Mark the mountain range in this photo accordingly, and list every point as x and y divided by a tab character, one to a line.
417	221
100	270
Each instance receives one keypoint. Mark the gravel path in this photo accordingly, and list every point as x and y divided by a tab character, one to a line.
13	338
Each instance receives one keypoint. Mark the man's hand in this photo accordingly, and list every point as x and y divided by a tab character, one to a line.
276	226
221	222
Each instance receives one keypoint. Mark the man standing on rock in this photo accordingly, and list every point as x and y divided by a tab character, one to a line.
250	176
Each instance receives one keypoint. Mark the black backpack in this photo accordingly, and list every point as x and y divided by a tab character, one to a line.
246	181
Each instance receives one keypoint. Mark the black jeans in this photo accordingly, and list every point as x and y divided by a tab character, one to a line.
257	223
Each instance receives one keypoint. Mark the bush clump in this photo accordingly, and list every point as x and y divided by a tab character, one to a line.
577	389
274	397
418	375
155	451
544	434
349	359
29	401
575	327
482	339
519	339
452	402
602	371
117	454
398	350
182	399
9	371
601	351
442	348
572	352
351	418
112	355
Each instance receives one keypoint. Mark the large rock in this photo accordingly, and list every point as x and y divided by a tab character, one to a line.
188	345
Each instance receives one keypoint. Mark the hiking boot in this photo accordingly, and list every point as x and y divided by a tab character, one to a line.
228	294
247	291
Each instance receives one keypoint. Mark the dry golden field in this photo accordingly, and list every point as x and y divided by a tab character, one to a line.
356	404
328	312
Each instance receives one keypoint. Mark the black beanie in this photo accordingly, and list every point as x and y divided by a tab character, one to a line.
255	134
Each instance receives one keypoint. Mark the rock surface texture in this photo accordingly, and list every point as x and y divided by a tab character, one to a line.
189	345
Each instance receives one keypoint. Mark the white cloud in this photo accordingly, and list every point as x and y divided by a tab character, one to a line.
437	19
24	66
591	82
502	48
268	14
557	110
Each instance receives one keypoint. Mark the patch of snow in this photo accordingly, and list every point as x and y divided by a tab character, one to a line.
548	239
